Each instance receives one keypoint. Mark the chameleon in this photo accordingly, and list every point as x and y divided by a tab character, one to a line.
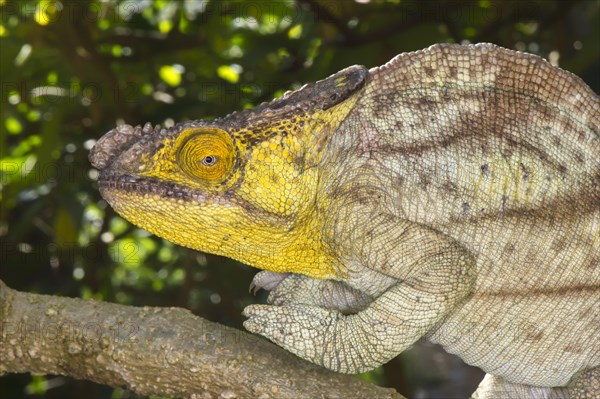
452	194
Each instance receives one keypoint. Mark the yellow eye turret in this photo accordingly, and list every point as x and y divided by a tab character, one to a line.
207	155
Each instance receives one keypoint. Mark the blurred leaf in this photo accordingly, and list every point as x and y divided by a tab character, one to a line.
170	74
118	225
65	231
23	55
13	125
128	252
295	32
37	386
165	26
228	73
14	168
117	50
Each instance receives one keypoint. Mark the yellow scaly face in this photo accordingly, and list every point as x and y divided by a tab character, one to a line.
244	187
248	194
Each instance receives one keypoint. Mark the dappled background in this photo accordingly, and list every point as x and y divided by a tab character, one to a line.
72	70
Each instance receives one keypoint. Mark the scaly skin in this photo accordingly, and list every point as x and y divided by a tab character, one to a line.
453	194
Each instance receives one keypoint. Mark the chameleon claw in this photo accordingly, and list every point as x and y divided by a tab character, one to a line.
267	281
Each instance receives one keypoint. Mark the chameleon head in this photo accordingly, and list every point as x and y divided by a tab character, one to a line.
243	186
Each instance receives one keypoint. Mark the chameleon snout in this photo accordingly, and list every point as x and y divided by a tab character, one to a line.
116	141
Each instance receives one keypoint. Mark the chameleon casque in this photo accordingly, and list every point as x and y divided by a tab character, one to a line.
452	194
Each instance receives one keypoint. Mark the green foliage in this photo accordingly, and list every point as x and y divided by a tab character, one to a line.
71	71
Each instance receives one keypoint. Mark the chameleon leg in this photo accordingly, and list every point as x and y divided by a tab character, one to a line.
359	342
287	288
494	387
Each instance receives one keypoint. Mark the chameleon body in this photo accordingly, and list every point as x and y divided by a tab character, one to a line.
452	193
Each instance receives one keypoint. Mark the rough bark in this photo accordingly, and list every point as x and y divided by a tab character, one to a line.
156	351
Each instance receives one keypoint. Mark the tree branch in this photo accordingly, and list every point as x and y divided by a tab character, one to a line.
156	351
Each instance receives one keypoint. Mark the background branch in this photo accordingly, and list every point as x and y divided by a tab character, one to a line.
156	351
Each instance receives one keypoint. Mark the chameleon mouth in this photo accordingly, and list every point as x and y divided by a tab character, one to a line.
112	186
154	187
132	184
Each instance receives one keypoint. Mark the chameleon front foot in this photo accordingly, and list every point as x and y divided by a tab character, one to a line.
312	333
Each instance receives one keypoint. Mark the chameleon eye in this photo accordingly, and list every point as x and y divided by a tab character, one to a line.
209	160
207	155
